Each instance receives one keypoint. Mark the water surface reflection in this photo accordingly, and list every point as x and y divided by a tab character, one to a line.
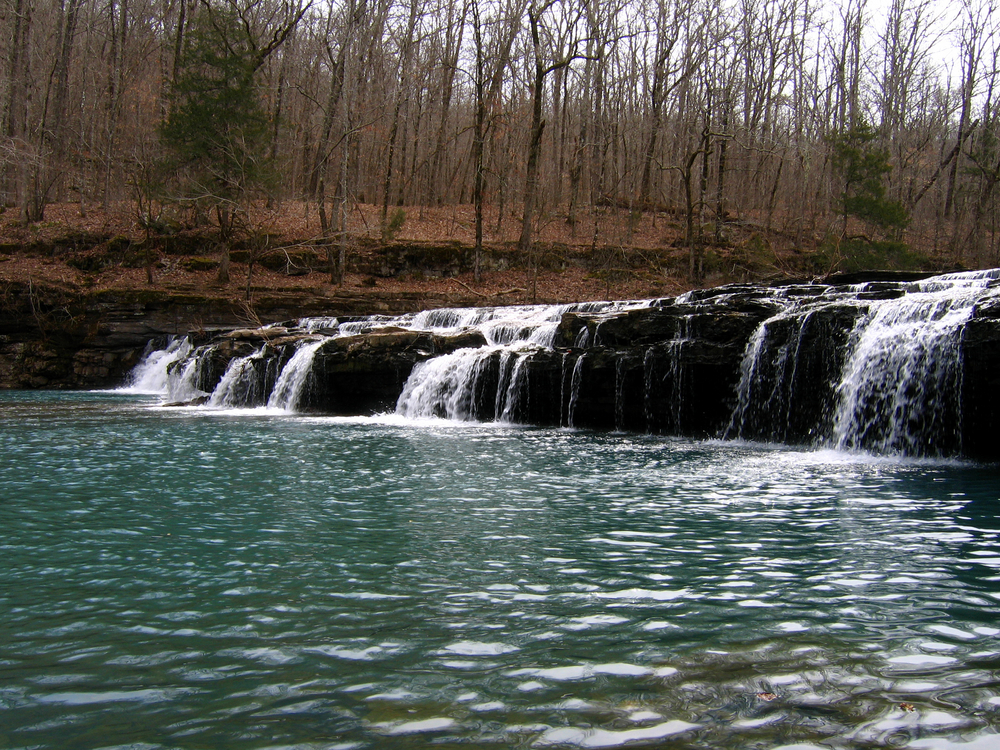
181	579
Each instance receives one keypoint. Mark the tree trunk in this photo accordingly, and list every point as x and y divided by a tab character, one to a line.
453	35
968	83
580	152
276	116
975	240
534	153
225	218
401	95
15	109
720	179
479	137
342	221
119	15
321	158
50	144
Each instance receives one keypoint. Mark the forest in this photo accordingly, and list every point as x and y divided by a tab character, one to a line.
862	132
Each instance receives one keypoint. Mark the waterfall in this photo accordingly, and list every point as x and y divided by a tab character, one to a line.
676	349
151	375
900	391
751	362
183	377
504	380
648	383
452	385
445	386
511	401
893	385
288	390
767	394
562	390
241	384
879	366
620	394
574	390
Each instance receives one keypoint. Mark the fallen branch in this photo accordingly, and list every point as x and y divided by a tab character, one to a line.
512	290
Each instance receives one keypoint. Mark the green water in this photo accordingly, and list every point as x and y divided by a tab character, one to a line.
182	578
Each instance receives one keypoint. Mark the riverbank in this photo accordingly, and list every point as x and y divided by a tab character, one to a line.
604	254
83	292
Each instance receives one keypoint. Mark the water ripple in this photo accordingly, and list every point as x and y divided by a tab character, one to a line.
175	578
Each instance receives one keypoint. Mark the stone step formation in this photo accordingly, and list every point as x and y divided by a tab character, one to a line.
885	365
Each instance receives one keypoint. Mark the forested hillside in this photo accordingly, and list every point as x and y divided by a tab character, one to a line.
843	128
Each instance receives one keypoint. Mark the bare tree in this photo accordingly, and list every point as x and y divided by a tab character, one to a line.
977	29
543	65
405	59
671	68
48	142
15	98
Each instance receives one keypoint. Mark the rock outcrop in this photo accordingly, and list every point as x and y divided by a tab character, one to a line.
886	365
71	339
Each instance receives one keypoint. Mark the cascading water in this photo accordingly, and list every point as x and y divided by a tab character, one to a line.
876	367
513	393
508	360
450	386
648	383
182	379
240	385
151	375
900	391
574	390
769	391
749	382
620	365
288	390
894	386
445	386
677	374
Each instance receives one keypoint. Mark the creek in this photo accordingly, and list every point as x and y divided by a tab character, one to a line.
253	578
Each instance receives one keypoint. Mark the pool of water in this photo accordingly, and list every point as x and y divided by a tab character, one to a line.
244	579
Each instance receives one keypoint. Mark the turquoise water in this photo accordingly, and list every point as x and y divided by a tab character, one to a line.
196	579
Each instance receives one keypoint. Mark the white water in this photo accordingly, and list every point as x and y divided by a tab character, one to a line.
574	391
902	372
440	387
288	390
749	381
240	378
151	376
182	381
767	376
512	379
899	391
445	386
901	383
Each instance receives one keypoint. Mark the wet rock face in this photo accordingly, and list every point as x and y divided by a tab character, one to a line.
98	337
364	374
885	365
890	366
981	388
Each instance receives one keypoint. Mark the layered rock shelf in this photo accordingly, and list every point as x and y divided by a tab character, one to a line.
881	364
